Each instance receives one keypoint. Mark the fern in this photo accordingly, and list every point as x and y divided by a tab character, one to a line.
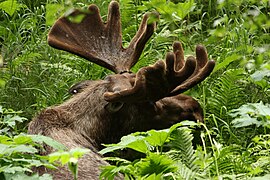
183	152
232	159
184	172
227	93
183	148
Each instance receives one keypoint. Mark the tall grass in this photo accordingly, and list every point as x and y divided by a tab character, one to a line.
236	34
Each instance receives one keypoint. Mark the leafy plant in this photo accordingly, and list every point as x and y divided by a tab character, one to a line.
156	163
227	91
251	114
20	153
9	120
235	98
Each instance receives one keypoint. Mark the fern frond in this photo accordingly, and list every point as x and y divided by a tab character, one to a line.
232	159
184	172
227	93
182	148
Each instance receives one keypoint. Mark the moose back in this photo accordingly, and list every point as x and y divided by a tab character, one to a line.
103	111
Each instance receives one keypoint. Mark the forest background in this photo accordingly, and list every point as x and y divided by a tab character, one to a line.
235	140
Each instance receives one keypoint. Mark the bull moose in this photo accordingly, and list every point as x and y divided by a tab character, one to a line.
102	111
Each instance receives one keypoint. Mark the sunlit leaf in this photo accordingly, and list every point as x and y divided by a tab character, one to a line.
20	149
155	164
65	157
53	12
14	169
260	74
139	145
21	175
49	141
5	139
227	61
22	139
54	156
250	114
126	141
9	6
157	138
244	121
10	120
78	152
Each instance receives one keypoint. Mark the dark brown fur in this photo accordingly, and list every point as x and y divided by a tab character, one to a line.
87	121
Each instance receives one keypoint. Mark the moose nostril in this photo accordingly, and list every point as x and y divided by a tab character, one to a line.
199	117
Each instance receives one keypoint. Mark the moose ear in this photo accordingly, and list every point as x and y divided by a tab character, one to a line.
113	107
79	87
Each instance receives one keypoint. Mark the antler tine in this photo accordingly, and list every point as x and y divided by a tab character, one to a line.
179	55
114	25
99	42
203	69
166	78
144	32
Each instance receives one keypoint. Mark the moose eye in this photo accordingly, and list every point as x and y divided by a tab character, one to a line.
78	87
114	106
74	91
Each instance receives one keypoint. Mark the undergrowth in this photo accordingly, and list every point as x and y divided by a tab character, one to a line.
234	140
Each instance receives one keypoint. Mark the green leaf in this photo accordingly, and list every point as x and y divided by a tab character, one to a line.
117	159
21	175
182	148
260	74
155	164
49	141
5	139
14	169
226	62
157	138
3	149
10	120
267	176
169	10
21	149
245	120
262	109
140	146
64	157
251	113
153	177
22	139
77	18
186	123
109	172
131	141
9	6
55	156
31	162
142	142
78	152
53	12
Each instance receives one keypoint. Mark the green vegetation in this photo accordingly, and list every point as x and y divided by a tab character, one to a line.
20	152
234	141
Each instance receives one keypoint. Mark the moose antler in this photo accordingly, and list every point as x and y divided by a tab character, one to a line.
167	78
83	33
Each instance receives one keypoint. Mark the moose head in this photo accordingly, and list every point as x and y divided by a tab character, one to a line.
102	111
